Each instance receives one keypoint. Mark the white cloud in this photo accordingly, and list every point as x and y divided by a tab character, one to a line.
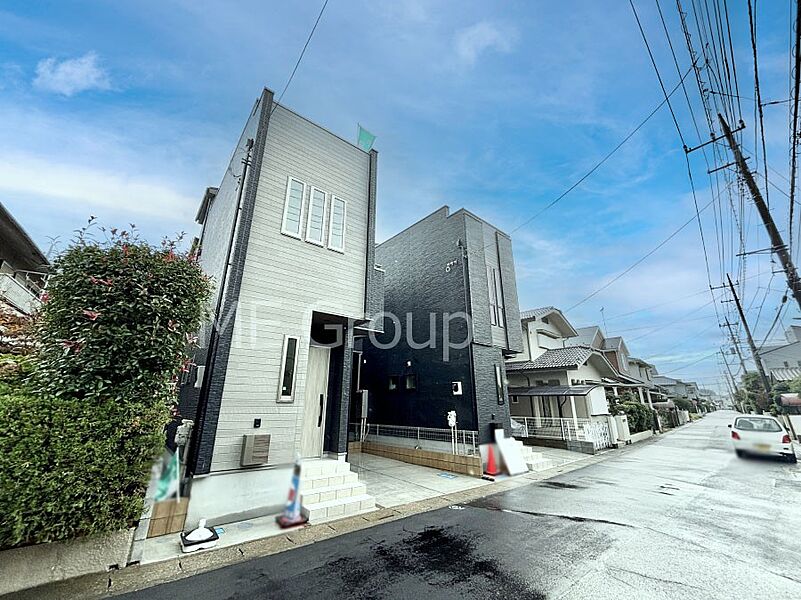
484	35
88	188
71	76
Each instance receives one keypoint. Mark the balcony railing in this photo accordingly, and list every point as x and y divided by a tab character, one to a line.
460	441
583	430
17	295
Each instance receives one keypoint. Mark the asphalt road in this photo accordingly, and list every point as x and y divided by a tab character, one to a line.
678	518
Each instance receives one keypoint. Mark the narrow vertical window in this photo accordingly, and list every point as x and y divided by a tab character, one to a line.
316	217
499	384
492	299
293	207
288	363
336	224
498	296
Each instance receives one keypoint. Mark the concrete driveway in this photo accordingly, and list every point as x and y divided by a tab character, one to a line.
681	517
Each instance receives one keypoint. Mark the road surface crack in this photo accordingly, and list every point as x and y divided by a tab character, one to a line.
652	578
577	519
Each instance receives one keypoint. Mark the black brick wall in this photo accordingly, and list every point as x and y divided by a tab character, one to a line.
339	395
425	274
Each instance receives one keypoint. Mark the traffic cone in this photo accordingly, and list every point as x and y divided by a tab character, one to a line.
292	511
492	468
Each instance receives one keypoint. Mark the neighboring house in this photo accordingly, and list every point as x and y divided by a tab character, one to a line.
554	379
288	239
676	388
643	371
631	374
712	397
23	267
782	362
452	319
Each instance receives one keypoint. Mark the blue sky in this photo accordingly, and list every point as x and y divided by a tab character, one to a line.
128	111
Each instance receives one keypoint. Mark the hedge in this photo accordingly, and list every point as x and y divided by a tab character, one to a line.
640	417
82	432
70	468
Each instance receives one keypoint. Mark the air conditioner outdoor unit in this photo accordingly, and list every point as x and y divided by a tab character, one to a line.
255	449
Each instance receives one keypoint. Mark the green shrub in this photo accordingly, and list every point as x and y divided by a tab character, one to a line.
14	370
111	340
70	468
640	417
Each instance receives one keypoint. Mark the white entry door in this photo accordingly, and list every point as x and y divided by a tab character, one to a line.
311	444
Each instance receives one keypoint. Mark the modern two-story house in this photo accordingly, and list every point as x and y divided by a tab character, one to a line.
288	239
451	320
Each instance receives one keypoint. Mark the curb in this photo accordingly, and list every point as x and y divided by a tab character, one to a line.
139	577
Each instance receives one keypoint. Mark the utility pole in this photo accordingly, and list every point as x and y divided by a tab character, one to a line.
735	342
777	243
751	344
733	388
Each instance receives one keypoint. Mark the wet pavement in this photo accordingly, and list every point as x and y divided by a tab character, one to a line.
681	517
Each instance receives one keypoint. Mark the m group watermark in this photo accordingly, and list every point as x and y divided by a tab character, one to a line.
256	323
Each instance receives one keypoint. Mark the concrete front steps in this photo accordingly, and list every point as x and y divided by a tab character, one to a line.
534	460
330	490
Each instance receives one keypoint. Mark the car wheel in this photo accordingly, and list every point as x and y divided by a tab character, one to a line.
740	453
792	458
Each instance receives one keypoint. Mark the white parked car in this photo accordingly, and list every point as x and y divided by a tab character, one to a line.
761	434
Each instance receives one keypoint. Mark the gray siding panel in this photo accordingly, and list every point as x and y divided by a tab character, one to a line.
511	303
286	279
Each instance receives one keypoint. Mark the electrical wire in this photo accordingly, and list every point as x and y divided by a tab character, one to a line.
608	155
703	358
300	57
775	321
642	259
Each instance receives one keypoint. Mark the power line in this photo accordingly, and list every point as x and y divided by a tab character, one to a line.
673	322
656	69
637	262
605	158
775	320
794	119
758	99
703	358
300	57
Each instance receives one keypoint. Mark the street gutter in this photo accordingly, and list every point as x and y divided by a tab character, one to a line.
138	577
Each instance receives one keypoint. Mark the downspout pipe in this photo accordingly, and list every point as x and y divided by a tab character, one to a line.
211	353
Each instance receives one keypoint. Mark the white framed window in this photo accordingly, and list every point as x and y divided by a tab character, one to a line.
336	224
293	207
289	360
315	217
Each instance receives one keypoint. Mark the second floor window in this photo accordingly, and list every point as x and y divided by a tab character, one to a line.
293	207
316	217
336	224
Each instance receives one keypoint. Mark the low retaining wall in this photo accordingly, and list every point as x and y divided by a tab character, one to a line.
467	465
643	435
574	445
31	566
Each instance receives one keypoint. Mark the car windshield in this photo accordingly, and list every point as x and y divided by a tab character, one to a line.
757	424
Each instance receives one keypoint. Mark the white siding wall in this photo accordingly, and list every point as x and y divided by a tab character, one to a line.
539	342
285	279
789	354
